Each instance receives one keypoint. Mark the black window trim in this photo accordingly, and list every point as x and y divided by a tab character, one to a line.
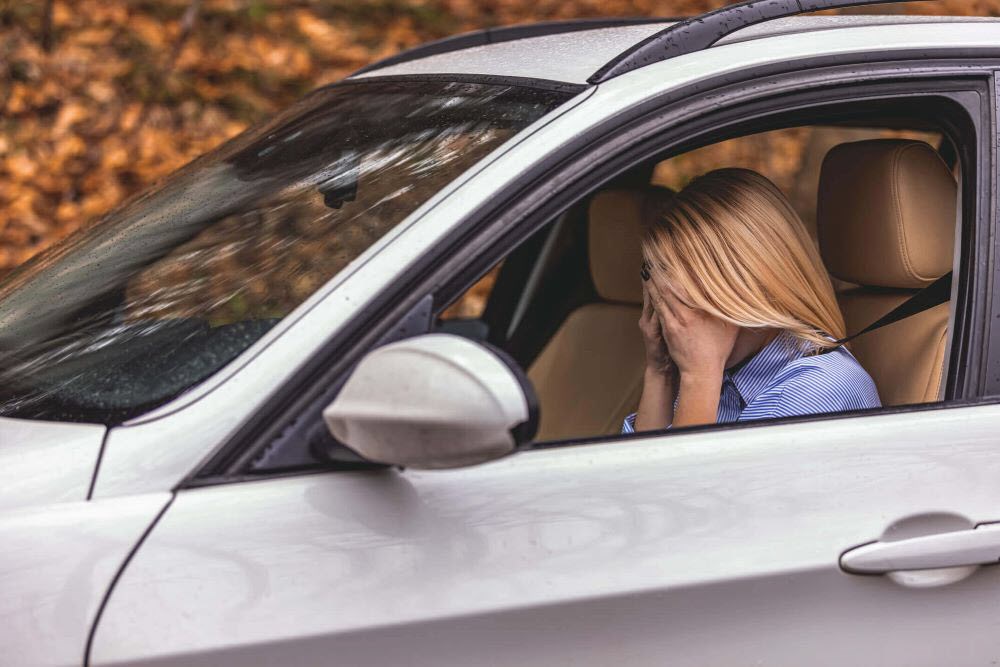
992	372
459	77
490	232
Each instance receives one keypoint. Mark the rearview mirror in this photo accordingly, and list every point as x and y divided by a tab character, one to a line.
434	401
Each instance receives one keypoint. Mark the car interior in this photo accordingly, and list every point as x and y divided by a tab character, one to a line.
881	201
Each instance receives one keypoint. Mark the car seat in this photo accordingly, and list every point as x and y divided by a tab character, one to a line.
886	213
588	377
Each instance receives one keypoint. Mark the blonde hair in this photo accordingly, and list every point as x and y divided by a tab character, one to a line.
734	247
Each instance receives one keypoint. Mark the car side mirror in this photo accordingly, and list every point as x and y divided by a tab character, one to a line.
434	401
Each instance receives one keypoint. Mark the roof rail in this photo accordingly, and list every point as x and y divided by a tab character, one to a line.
505	34
700	32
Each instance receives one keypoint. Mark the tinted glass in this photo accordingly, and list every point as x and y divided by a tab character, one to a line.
130	312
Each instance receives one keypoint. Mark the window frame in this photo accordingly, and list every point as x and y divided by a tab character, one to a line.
992	362
667	124
962	387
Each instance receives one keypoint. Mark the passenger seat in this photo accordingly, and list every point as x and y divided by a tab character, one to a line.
589	375
886	215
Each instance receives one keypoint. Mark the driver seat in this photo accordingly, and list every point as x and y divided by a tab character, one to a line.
886	215
588	377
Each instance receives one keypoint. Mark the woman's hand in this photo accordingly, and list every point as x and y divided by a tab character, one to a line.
699	343
657	354
659	383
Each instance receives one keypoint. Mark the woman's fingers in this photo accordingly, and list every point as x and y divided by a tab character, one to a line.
649	322
665	318
681	312
663	302
657	354
661	289
676	306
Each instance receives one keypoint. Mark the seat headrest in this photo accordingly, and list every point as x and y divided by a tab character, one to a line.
615	229
886	213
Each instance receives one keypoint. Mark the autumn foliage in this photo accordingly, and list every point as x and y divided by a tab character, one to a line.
103	97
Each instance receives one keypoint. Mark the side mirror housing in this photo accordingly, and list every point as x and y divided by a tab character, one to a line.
434	401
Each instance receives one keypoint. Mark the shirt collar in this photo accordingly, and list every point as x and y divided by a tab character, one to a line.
756	375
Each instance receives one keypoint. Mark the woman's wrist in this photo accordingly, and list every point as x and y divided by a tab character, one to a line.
654	372
702	374
656	404
698	401
664	379
702	377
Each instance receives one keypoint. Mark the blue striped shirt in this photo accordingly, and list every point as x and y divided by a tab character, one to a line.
783	380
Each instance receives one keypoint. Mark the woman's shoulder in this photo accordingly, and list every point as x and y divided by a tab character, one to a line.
834	375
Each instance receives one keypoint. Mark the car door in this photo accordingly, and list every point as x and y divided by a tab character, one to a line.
701	547
696	548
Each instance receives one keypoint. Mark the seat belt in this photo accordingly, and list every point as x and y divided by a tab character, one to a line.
935	294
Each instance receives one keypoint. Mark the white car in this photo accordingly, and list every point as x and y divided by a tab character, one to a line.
220	404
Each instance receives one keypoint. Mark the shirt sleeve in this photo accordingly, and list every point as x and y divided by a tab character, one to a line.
628	426
816	391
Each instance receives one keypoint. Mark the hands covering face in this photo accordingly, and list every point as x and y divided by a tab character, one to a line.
697	343
657	354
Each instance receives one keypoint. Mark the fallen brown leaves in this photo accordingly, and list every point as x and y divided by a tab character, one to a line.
116	103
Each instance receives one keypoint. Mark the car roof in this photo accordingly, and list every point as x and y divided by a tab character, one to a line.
572	57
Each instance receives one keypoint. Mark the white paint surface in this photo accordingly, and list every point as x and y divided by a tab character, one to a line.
56	564
711	548
46	462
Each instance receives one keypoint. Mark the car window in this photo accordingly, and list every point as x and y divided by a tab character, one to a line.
790	157
579	340
473	301
128	313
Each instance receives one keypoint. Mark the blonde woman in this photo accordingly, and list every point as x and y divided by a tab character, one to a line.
739	317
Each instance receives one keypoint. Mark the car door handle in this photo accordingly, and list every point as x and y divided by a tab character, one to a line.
960	548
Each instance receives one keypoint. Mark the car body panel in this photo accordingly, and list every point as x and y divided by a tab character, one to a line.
711	547
156	453
57	563
46	462
569	57
574	56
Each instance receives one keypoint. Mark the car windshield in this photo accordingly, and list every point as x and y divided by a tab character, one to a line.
156	297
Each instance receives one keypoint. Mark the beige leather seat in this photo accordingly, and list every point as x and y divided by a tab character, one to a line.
589	375
886	220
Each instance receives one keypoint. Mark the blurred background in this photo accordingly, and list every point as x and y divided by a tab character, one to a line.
101	98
